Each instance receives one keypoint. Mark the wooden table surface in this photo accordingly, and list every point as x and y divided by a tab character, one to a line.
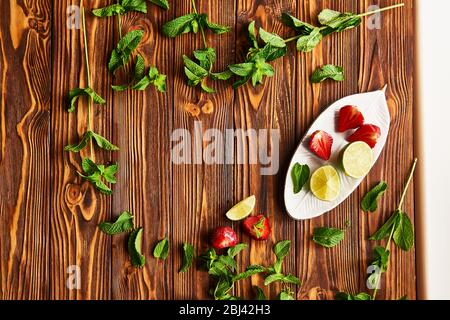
49	215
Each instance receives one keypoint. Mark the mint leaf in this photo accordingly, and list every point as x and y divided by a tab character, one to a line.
271	38
161	3
370	201
300	175
249	271
134	248
100	141
381	258
328	71
86	92
308	42
122	53
225	75
153	78
161	250
114	9
209	257
286	295
277	277
337	22
234	251
281	249
296	24
222	289
242	69
214	27
96	173
404	232
260	294
386	229
188	257
124	223
252	34
350	297
179	25
328	237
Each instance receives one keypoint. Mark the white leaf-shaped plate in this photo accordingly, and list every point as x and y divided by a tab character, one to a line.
305	205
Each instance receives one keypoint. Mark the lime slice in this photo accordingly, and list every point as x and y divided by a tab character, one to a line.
242	210
325	184
357	159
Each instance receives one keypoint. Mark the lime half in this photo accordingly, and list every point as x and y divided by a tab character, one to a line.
357	159
325	184
242	210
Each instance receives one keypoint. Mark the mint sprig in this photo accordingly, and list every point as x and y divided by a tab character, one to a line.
124	223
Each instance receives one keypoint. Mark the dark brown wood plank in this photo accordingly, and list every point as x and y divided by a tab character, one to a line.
25	95
271	107
76	205
142	124
201	194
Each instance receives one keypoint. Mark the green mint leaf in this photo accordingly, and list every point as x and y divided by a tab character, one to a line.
218	270
94	173
120	87
404	232
281	249
80	92
122	53
386	229
300	175
188	257
260	295
249	271
271	38
381	258
337	22
294	23
114	9
194	67
178	26
214	27
222	289
209	257
124	223
252	34
161	250
350	297
328	237
271	53
134	248
225	75
261	69
370	201
139	68
81	145
228	262
206	57
307	43
155	78
134	5
242	69
205	88
103	142
277	277
328	71
234	251
161	3
285	296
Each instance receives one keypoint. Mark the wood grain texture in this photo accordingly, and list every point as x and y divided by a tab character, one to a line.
49	215
25	149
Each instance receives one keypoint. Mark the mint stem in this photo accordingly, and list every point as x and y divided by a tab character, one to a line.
88	71
194	7
381	10
411	175
119	24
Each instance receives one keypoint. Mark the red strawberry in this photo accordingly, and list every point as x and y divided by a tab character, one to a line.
368	133
257	227
349	118
223	237
321	143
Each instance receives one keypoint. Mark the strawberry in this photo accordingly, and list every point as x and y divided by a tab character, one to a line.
349	118
223	237
367	133
257	227
321	143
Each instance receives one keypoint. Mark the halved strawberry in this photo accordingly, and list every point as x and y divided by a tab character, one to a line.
257	227
349	118
367	133
321	143
223	237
